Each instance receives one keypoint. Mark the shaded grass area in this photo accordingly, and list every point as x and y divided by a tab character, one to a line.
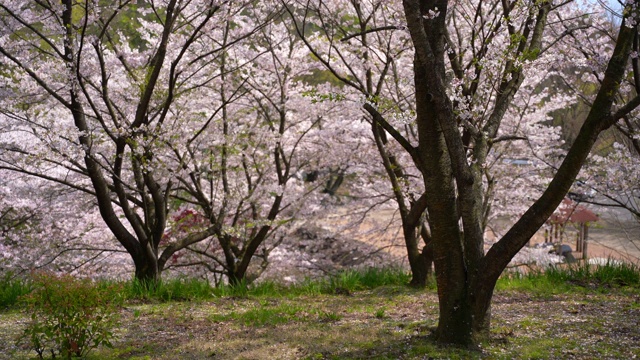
564	313
188	289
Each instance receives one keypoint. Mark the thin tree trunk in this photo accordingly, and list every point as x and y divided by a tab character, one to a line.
417	260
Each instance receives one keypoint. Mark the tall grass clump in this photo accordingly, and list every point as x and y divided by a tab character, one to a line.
350	280
240	290
169	290
11	289
561	278
269	288
370	278
609	273
196	289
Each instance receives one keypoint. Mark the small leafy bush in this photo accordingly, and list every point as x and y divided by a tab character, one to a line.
69	316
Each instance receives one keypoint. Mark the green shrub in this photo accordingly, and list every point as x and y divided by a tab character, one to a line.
69	316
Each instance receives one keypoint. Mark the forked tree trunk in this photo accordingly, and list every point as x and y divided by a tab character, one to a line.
452	275
465	276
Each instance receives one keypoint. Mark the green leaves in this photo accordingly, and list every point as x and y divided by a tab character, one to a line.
317	97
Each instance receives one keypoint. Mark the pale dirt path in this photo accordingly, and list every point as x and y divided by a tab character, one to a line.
611	237
620	240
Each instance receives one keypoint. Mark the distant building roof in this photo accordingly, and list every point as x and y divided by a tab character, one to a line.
570	211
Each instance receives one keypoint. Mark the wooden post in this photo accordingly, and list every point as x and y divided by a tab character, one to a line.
585	240
546	235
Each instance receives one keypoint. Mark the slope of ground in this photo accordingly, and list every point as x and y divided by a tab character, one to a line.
384	323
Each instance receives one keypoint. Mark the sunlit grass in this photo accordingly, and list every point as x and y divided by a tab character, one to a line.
572	278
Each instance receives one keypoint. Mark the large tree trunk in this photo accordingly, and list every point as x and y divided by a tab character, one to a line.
454	325
480	277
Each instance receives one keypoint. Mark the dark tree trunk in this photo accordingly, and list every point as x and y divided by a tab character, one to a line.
147	267
417	260
235	279
146	272
454	325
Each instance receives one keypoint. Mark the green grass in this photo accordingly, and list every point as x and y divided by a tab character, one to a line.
370	278
382	319
380	313
328	316
535	283
11	289
609	274
168	290
184	289
349	280
264	316
572	278
555	280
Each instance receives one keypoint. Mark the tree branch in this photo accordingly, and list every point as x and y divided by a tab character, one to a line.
368	31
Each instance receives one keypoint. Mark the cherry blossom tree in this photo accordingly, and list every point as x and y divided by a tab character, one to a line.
471	60
188	123
54	229
94	93
242	166
476	272
374	63
610	176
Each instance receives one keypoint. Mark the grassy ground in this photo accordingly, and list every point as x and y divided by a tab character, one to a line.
561	316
